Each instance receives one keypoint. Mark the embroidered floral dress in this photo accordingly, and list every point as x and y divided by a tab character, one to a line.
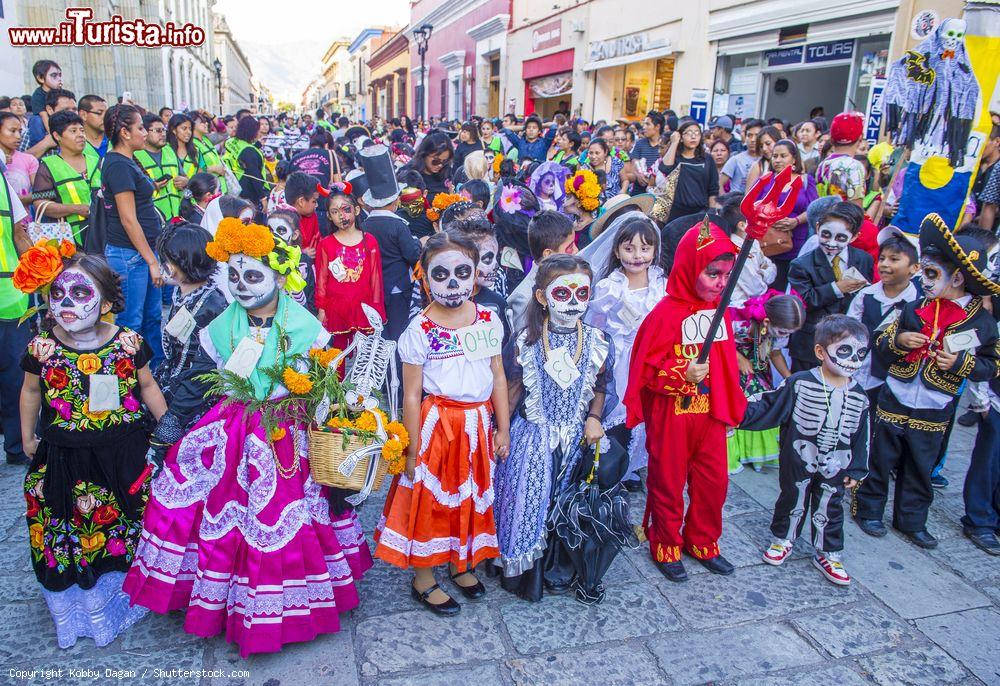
83	520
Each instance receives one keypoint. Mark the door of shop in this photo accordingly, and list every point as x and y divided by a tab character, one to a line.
793	94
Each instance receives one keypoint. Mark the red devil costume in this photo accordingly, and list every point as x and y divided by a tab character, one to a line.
686	439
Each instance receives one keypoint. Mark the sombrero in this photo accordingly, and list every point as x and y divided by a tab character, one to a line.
618	204
967	252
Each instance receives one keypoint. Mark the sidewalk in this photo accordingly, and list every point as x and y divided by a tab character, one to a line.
910	617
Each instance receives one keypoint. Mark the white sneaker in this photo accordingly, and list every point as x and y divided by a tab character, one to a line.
833	570
778	552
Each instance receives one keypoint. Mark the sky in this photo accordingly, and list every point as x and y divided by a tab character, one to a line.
299	29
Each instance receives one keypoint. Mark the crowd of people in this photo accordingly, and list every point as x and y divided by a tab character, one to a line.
140	251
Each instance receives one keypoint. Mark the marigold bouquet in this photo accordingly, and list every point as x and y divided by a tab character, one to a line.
442	201
585	186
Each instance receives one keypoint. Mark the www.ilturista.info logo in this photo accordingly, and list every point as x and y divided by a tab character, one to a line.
80	30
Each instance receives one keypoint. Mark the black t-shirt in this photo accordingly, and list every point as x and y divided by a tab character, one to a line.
315	162
120	174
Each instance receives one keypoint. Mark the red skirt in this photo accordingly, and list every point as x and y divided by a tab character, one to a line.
445	514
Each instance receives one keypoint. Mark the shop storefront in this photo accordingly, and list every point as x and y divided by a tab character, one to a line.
632	73
802	70
548	84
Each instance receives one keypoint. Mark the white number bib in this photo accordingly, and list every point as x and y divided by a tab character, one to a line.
338	270
694	329
104	393
962	340
181	325
629	316
244	358
561	368
480	340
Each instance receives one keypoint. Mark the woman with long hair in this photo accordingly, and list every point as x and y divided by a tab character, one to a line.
698	178
719	150
433	160
468	142
769	135
180	138
208	157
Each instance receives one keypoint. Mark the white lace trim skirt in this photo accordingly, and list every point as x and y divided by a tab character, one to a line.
100	613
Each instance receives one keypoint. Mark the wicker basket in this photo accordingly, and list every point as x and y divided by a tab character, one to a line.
328	450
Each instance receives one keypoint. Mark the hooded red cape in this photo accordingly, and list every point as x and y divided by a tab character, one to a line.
654	350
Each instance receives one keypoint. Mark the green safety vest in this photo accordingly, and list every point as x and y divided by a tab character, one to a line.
208	157
234	148
13	303
73	189
93	162
168	199
325	124
188	167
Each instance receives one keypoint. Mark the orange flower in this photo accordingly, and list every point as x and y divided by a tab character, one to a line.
88	363
278	434
399	431
442	201
324	357
233	238
37	535
94	416
339	423
67	249
39	266
93	542
497	161
296	383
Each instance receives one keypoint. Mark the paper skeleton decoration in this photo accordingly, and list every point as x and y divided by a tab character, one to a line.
374	360
832	421
931	92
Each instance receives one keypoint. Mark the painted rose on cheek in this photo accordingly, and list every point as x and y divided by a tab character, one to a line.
713	279
450	277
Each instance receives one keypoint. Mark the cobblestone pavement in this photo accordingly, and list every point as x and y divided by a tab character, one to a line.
910	617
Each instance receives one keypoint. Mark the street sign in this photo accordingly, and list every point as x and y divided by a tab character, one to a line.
699	105
873	118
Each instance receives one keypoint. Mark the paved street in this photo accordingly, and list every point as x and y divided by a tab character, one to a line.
910	617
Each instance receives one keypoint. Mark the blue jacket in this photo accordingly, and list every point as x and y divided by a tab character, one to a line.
537	149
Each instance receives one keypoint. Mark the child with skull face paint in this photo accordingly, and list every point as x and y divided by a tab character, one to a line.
823	415
241	497
686	406
488	272
348	272
561	373
823	277
441	509
284	224
89	379
937	343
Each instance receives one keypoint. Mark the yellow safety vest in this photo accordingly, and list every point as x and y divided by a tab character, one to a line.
208	157
72	188
13	303
168	199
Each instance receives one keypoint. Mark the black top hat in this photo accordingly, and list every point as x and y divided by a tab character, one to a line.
381	175
358	181
967	252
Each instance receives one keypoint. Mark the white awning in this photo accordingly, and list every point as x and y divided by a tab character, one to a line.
653	54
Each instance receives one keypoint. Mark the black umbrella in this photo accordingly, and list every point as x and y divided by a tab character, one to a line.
592	518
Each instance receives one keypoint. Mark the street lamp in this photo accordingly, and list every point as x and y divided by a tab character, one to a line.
422	35
218	80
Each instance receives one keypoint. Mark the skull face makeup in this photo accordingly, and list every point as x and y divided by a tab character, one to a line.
834	236
171	274
936	280
489	261
75	301
252	283
281	228
450	277
567	297
845	357
713	279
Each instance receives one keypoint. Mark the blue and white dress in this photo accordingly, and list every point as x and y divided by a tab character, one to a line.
546	435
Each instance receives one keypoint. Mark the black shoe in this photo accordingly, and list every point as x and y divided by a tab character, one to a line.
872	527
17	460
970	418
558	588
633	485
922	539
987	542
474	592
939	481
674	571
448	608
717	565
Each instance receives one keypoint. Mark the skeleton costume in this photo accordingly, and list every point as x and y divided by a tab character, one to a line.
236	532
546	436
918	400
824	435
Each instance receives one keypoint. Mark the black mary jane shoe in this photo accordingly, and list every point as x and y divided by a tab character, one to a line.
474	592
674	571
922	539
872	527
448	608
717	565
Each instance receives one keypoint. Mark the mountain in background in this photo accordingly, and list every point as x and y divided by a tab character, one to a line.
285	68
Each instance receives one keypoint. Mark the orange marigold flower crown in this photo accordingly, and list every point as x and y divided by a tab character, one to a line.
234	238
442	201
585	186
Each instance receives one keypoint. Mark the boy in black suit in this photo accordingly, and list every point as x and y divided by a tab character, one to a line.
827	278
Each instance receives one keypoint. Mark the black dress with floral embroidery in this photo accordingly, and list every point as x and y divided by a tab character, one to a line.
83	520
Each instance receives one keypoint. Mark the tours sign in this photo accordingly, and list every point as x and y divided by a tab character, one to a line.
830	51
